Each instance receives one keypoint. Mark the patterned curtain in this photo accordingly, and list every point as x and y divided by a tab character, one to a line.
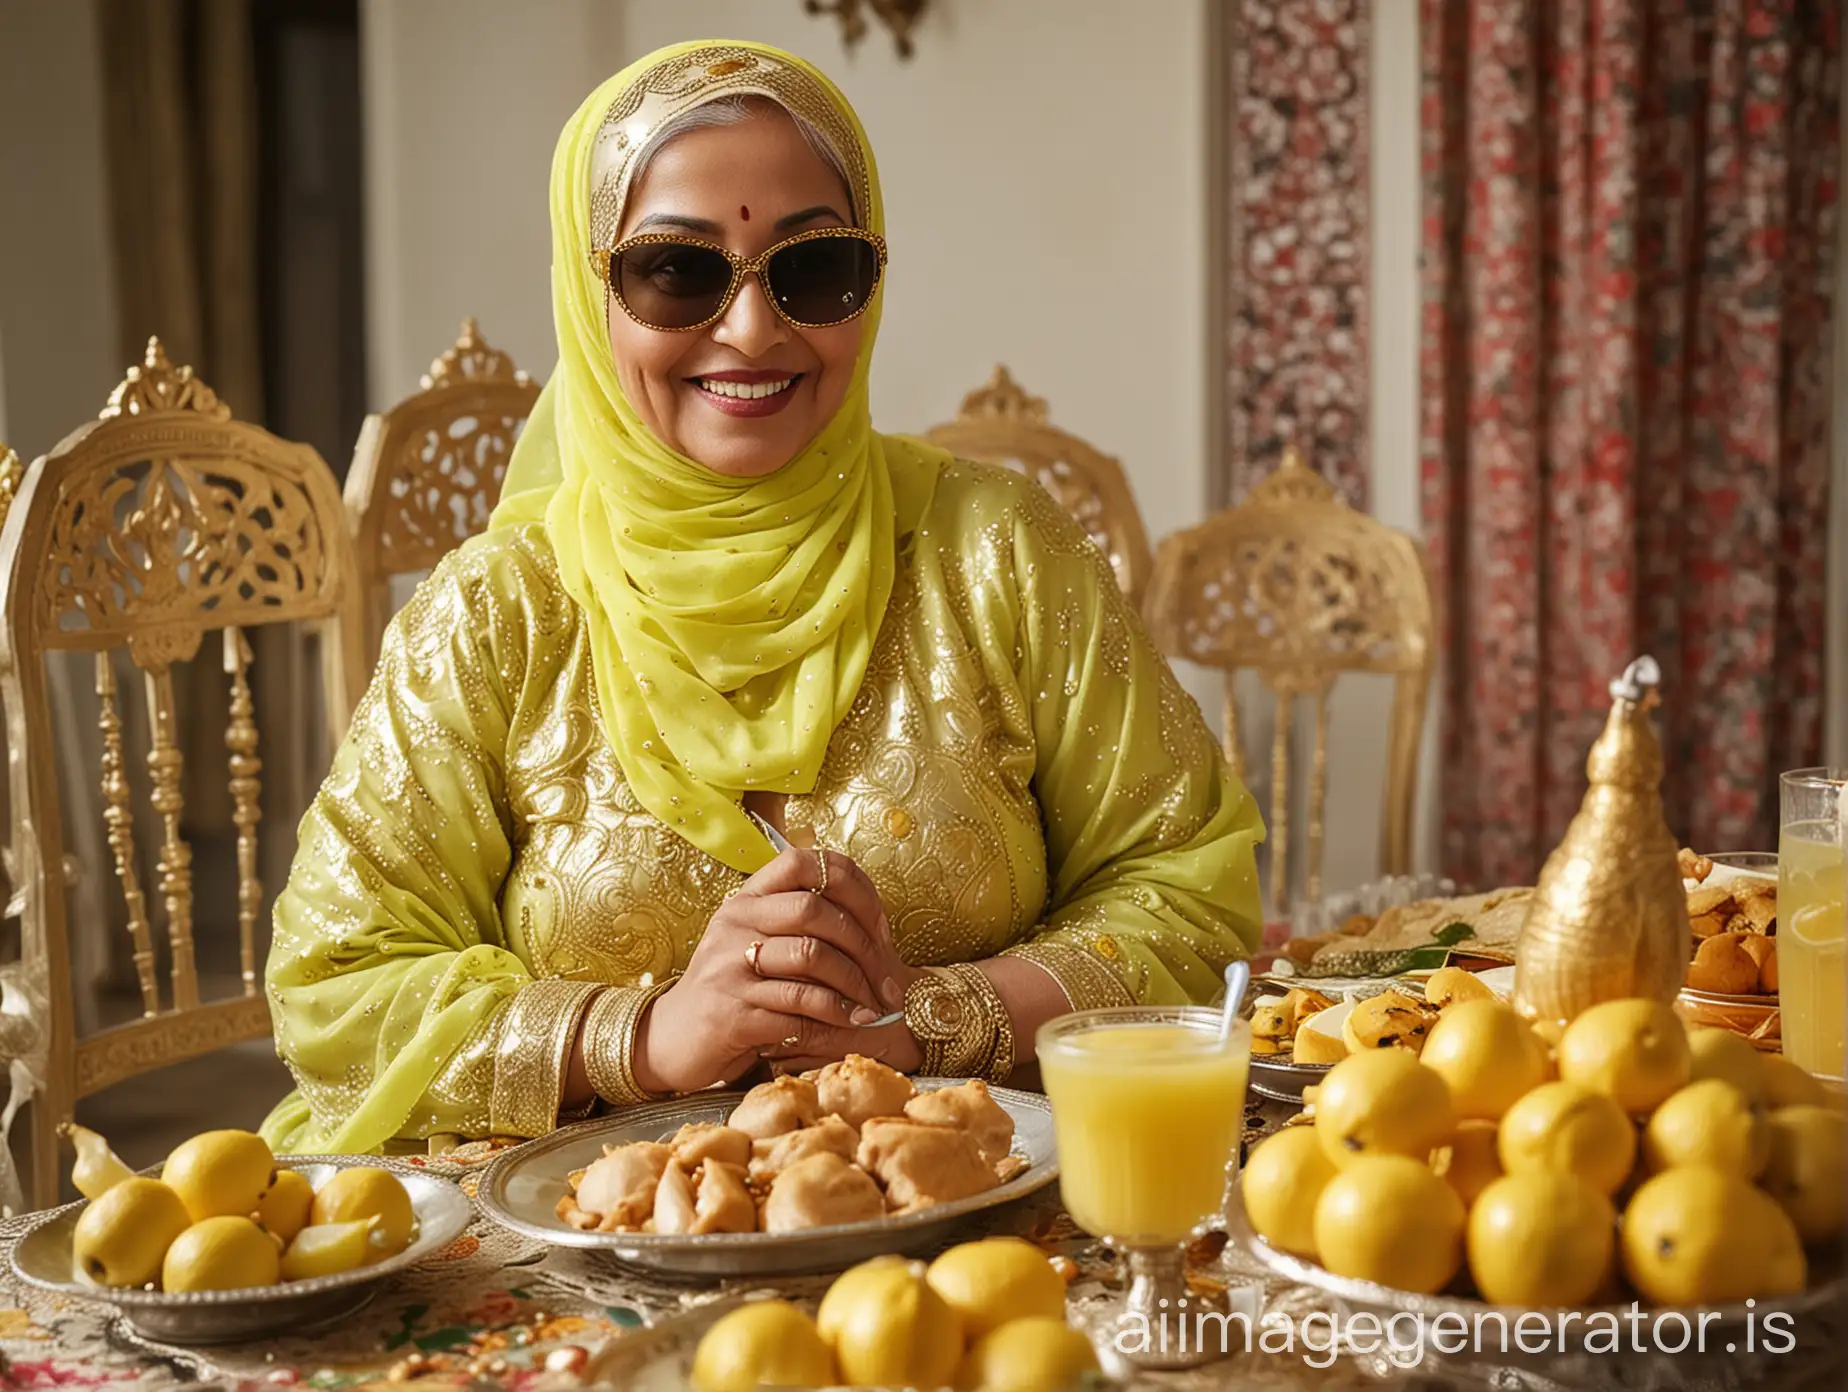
1629	241
1297	222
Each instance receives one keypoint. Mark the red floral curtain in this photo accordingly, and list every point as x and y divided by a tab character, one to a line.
1629	231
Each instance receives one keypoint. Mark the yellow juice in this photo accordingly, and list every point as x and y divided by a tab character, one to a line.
1148	1119
1811	970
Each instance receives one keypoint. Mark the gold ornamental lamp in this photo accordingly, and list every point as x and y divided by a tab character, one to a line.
1609	917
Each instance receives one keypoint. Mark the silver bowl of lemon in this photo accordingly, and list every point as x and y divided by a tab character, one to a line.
224	1243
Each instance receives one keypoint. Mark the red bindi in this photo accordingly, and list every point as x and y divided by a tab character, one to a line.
744	212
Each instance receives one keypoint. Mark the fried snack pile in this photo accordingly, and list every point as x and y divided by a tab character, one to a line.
849	1142
1735	931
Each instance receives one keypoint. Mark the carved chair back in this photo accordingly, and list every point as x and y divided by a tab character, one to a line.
1001	424
163	528
427	473
1299	586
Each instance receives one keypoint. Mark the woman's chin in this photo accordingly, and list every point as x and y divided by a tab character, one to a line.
741	454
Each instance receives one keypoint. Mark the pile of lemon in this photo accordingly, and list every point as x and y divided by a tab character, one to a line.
1637	1156
987	1316
223	1216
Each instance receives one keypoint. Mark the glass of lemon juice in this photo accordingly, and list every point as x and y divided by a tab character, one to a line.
1811	968
1148	1106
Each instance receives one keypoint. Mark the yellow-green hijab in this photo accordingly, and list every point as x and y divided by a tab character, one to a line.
730	620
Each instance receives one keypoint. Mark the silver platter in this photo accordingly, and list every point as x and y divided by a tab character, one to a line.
521	1189
1284	1082
42	1258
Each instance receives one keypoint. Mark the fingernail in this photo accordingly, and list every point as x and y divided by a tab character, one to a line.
863	1016
890	994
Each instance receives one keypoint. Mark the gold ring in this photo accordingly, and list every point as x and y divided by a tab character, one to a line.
821	858
750	955
791	1041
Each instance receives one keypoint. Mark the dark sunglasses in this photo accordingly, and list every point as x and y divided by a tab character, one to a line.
814	279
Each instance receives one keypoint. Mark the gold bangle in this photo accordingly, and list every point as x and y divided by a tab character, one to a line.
609	1042
997	1064
961	1024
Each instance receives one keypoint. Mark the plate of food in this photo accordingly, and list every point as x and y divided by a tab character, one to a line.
1732	914
800	1174
175	1253
1298	1036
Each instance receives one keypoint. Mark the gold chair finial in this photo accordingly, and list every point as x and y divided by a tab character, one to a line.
1002	398
11	472
155	384
472	358
1293	481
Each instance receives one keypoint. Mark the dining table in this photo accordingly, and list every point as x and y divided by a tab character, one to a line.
495	1310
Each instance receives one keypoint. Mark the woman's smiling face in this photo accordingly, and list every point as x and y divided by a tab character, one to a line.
744	394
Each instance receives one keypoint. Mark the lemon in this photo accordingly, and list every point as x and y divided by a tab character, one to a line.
222	1253
367	1191
1448	986
1718	1053
763	1343
1707	1123
1281	1183
1540	1239
97	1169
1382	1102
1035	1354
1387	1218
1568	1129
327	1249
1807	1173
1469	1162
847	1290
121	1237
220	1173
998	1279
1487	1054
1790	1085
284	1210
1695	1235
892	1329
1633	1051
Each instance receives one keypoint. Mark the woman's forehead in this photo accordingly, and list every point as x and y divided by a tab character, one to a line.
764	166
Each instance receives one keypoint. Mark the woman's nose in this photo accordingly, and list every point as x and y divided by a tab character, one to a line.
749	324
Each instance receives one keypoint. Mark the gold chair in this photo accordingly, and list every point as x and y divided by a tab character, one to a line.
1300	587
161	522
427	473
1001	424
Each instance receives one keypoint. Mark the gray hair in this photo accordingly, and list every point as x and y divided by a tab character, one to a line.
735	108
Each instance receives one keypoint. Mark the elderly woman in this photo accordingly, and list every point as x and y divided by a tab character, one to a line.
715	601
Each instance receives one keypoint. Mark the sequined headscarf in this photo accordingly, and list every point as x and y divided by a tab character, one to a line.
731	620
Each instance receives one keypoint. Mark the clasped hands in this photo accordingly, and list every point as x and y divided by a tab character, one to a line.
791	968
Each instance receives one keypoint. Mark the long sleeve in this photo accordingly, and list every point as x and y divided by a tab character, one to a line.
1150	839
397	1003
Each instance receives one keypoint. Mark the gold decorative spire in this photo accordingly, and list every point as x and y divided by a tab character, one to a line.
472	358
1609	917
11	471
155	384
1293	481
1002	398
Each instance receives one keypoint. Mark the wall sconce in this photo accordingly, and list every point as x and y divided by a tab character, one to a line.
900	16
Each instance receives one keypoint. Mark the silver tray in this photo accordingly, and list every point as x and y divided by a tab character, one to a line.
1284	1082
520	1189
42	1258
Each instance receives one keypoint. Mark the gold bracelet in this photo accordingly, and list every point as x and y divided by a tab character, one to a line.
998	1066
609	1042
961	1024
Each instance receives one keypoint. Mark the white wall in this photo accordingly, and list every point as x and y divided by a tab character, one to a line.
57	295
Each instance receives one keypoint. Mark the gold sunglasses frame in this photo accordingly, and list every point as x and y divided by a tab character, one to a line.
741	267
